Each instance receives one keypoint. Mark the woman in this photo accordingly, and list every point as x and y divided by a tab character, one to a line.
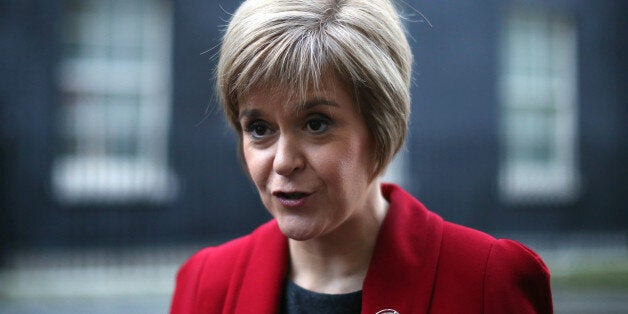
318	92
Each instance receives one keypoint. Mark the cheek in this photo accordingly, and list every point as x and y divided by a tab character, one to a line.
257	165
347	164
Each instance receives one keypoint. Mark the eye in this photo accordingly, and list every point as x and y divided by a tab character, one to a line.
258	129
317	125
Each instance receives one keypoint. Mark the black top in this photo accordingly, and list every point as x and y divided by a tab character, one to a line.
298	300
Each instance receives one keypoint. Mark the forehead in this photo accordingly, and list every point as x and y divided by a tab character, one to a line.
330	91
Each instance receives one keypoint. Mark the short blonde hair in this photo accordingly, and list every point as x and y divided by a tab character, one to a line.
295	44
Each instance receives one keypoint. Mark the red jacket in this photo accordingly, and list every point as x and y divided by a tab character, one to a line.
420	264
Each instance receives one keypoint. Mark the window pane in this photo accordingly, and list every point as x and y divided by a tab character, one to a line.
114	85
538	107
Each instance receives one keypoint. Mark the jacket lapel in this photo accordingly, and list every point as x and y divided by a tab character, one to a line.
402	272
263	272
401	275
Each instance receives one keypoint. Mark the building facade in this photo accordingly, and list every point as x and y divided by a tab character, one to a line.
111	133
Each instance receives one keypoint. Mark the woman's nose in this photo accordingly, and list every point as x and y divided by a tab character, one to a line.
288	156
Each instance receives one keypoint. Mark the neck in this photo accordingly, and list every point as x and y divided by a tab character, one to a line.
338	262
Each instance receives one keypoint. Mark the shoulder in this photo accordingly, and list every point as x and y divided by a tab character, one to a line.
215	256
506	274
496	253
205	276
516	277
218	259
204	279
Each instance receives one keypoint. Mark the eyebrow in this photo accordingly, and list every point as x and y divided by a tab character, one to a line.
253	113
316	102
249	113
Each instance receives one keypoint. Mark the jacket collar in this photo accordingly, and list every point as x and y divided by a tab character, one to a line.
264	276
403	267
401	274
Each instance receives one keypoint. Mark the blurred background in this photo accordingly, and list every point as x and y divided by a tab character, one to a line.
116	163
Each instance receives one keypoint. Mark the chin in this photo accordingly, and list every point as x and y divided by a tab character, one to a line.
299	231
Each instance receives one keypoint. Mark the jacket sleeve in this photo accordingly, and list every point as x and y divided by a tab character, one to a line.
516	280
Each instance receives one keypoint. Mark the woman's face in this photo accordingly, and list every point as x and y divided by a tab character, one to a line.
313	166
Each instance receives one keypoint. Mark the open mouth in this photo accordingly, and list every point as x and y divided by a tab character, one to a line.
291	196
292	199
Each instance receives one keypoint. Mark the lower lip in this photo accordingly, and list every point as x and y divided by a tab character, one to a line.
292	203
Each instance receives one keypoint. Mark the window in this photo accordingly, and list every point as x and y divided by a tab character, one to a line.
538	96
114	106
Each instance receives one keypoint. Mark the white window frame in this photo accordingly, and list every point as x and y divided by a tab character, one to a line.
91	174
556	179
